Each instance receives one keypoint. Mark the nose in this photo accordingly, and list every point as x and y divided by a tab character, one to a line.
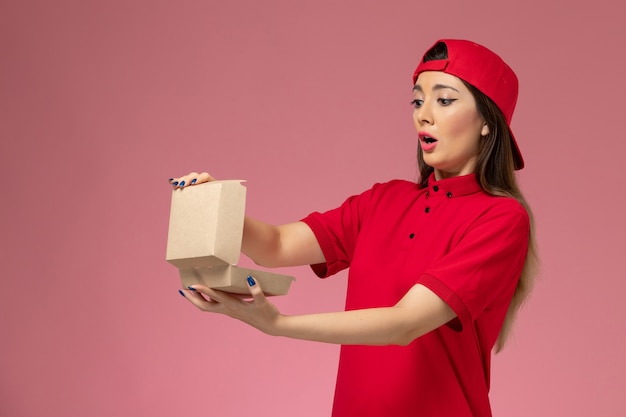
423	115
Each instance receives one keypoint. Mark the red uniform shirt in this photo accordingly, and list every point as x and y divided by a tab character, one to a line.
466	246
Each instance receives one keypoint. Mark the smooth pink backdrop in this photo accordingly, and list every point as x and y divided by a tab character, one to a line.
102	101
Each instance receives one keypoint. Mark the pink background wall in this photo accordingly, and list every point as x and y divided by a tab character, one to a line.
102	102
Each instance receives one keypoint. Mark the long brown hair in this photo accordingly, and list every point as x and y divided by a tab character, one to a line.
495	172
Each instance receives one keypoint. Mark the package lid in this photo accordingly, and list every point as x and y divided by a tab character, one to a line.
206	224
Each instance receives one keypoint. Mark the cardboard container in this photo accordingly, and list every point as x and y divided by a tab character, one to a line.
233	279
204	239
206	224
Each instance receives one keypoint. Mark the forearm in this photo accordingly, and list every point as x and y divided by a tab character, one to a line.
377	326
417	313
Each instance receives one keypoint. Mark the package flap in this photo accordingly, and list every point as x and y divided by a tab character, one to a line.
206	224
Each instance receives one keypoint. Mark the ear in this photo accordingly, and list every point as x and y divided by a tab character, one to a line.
485	130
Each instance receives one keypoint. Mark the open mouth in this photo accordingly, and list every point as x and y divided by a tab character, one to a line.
428	139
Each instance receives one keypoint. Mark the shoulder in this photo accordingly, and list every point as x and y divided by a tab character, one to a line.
381	197
385	190
391	193
507	206
505	212
395	187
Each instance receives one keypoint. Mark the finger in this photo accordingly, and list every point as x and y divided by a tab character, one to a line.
175	181
204	177
209	293
202	302
187	180
226	301
193	178
256	291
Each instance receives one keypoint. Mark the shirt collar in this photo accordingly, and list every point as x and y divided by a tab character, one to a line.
453	187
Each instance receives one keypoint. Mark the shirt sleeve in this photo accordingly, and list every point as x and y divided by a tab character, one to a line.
486	263
337	232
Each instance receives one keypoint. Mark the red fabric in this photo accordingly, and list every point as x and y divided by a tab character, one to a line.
467	247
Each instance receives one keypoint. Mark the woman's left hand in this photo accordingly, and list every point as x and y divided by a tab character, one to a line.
258	312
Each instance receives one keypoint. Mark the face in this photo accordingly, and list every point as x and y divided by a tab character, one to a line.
448	124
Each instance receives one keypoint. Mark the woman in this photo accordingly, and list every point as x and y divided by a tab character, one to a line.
438	269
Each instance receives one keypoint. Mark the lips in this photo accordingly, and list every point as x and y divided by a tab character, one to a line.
427	142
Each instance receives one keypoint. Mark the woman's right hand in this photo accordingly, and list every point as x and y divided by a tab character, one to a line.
193	178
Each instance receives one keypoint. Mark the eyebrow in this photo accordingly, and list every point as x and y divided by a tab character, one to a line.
418	87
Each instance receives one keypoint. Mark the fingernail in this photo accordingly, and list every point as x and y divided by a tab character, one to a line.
175	183
181	293
193	181
251	281
182	184
191	288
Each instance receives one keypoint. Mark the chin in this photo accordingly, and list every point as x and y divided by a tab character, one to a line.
433	162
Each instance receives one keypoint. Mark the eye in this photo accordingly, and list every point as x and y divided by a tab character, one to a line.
417	103
446	101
